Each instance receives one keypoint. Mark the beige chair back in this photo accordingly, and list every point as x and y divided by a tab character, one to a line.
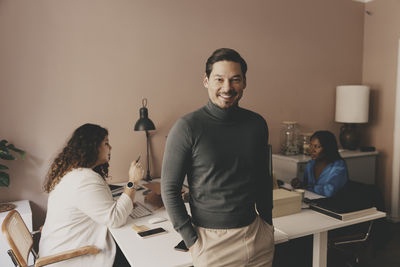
18	236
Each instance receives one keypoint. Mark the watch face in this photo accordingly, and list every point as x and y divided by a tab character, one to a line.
129	185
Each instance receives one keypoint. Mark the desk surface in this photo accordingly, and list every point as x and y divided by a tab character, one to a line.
159	250
309	222
23	207
153	251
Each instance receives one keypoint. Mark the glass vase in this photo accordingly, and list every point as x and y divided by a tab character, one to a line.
289	138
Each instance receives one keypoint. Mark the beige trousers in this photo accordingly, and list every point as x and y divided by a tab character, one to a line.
252	245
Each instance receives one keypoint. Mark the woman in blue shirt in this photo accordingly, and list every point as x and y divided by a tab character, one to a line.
326	172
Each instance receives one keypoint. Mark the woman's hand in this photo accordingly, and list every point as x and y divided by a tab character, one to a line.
136	172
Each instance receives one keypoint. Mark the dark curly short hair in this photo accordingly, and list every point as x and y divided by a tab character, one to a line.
225	54
81	151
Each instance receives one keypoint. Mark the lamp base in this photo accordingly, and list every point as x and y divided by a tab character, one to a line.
349	136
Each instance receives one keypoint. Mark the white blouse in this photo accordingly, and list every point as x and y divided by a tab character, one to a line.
79	210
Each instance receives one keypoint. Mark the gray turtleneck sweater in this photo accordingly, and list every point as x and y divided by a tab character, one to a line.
223	153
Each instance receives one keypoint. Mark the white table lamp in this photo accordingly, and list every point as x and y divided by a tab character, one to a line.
352	107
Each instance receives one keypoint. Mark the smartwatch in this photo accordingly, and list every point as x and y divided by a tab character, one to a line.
131	185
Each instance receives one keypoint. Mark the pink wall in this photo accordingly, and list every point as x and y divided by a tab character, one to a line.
64	63
381	40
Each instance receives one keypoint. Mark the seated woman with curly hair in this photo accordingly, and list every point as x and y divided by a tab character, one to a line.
80	206
326	172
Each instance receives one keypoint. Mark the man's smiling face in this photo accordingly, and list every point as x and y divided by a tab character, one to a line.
225	84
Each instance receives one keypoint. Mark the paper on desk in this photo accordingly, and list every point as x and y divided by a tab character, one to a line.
307	193
140	228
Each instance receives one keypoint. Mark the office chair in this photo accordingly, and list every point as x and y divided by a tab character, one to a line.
20	241
354	243
354	246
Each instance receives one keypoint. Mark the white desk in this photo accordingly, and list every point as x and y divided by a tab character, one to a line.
309	222
159	250
24	209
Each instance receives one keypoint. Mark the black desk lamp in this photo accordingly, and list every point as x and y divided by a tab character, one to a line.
145	124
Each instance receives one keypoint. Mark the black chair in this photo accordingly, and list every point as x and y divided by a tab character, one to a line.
353	245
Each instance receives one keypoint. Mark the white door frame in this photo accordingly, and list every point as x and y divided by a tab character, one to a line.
395	211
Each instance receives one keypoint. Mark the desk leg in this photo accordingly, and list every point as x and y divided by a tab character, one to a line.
320	249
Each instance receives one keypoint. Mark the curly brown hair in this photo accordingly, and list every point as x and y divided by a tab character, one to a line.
81	151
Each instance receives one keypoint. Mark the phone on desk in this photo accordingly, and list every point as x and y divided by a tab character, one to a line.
181	247
152	232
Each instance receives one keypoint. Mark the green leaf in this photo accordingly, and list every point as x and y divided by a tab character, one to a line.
17	150
6	155
4	179
13	148
3	143
3	167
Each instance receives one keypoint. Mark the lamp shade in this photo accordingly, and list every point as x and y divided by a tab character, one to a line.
144	123
352	103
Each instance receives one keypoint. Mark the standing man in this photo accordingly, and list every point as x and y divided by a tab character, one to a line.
222	149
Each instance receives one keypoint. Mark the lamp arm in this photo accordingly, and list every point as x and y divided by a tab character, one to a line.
148	178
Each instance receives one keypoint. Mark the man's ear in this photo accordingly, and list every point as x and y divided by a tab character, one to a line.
205	81
244	83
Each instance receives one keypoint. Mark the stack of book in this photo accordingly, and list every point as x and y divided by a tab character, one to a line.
344	216
353	201
342	208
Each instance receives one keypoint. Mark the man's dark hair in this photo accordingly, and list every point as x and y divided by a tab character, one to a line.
329	145
226	54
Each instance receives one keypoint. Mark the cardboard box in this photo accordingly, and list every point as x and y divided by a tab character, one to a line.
285	202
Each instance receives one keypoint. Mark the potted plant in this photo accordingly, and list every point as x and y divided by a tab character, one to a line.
6	150
5	154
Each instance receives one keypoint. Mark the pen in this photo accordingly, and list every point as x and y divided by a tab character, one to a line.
138	159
